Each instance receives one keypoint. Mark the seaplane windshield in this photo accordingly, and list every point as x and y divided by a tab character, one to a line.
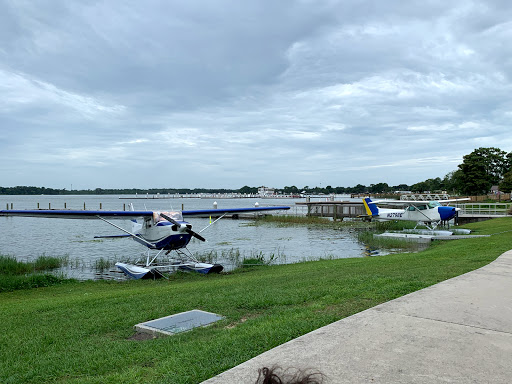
176	215
433	204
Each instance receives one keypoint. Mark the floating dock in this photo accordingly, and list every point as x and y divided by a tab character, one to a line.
425	238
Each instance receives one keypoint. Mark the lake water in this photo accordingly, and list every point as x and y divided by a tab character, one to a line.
28	238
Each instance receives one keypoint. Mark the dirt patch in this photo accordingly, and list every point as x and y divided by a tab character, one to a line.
242	320
140	336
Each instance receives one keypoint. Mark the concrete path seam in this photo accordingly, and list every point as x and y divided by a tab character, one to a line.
444	321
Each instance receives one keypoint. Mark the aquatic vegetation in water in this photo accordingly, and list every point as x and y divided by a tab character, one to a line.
237	259
46	263
16	274
224	243
395	245
102	264
10	265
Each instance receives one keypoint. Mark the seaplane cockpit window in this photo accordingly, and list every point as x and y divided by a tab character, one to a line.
417	207
433	204
173	215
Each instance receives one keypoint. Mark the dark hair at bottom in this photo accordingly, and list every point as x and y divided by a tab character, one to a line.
288	376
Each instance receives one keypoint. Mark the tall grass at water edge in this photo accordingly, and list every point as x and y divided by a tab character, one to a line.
237	259
16	274
10	265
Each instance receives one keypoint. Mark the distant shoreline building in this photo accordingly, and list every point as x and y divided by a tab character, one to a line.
264	191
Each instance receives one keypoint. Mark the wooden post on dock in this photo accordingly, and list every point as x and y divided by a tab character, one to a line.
49	205
124	206
11	205
100	206
84	205
7	206
37	205
65	205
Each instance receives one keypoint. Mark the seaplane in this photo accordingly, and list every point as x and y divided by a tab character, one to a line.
159	231
428	213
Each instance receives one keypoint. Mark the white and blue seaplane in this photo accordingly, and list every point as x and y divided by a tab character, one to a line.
160	232
427	213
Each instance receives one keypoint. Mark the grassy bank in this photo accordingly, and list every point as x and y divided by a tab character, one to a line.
82	332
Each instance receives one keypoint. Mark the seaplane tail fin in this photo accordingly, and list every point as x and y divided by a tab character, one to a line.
371	207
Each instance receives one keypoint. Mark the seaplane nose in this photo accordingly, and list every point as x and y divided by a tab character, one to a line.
446	213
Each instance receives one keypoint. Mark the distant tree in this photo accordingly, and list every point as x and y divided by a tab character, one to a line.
290	190
359	188
506	183
401	187
379	188
472	178
509	161
248	190
481	169
450	181
340	190
420	187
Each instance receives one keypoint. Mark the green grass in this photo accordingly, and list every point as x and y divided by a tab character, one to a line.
81	332
45	263
9	265
16	274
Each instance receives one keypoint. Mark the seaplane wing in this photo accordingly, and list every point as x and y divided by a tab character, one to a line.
415	202
125	215
71	214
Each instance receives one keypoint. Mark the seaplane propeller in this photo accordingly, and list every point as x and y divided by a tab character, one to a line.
182	227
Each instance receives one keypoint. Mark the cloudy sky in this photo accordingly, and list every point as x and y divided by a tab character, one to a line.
221	93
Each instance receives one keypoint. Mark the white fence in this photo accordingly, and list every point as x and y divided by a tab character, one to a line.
484	208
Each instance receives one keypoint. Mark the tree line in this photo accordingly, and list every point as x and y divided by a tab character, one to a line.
478	172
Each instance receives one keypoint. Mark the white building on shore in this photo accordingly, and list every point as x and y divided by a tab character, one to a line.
264	191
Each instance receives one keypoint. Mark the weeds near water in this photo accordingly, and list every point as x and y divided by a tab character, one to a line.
102	264
16	274
237	259
383	226
47	263
373	242
10	265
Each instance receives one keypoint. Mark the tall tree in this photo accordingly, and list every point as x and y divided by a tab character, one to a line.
506	183
481	169
379	188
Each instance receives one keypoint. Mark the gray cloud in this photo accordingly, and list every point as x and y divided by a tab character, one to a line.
223	94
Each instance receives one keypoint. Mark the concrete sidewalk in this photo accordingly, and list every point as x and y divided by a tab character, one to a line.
457	331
